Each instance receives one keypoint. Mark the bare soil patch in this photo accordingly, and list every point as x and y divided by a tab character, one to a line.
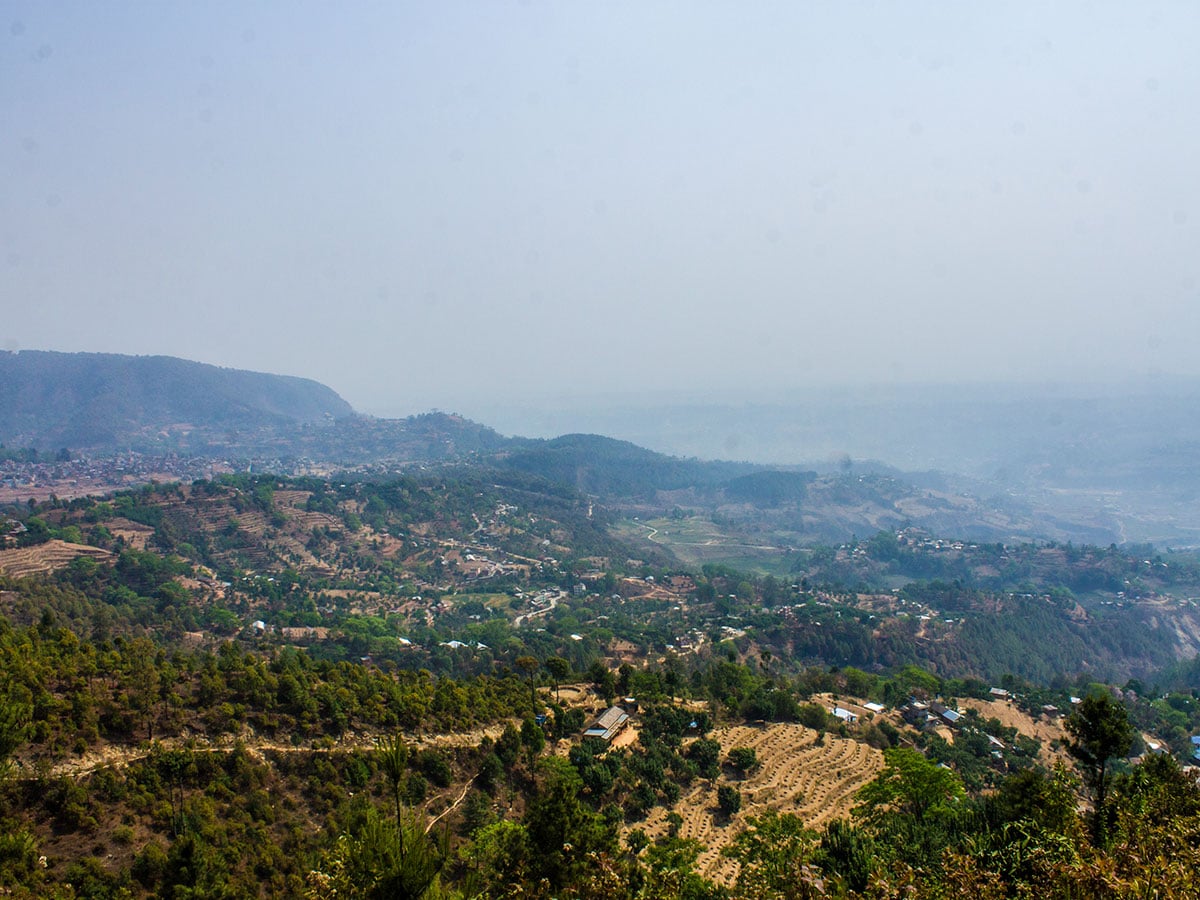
1041	728
135	534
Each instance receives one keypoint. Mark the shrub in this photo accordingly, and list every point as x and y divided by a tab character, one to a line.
729	799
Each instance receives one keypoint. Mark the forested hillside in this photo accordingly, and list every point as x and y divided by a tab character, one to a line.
130	771
83	400
592	464
379	686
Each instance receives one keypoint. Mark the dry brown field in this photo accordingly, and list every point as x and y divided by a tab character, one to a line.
135	534
1041	728
48	557
816	782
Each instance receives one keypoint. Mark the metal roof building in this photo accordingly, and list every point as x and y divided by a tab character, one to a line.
608	724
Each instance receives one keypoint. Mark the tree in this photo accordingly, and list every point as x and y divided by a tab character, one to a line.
563	833
670	868
912	808
773	855
729	799
498	859
1031	796
744	759
1100	730
393	757
559	670
603	680
173	764
846	853
673	674
814	716
529	665
477	812
706	754
508	745
380	860
533	739
909	784
14	725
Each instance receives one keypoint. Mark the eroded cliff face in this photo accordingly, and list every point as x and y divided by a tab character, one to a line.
1186	623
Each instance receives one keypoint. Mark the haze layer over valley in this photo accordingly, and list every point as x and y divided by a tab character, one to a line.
985	464
722	451
1121	455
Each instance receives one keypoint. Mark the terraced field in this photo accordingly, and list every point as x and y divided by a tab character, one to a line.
814	781
292	499
135	534
48	557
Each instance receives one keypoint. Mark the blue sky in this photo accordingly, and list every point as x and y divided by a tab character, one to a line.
452	204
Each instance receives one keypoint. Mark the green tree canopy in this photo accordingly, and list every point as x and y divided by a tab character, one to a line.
913	806
773	854
1099	730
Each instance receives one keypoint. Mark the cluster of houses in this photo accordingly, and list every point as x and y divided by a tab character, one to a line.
9	529
84	471
922	714
917	539
460	645
929	714
291	633
850	717
688	643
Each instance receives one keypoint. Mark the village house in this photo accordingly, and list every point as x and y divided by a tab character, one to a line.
611	721
844	714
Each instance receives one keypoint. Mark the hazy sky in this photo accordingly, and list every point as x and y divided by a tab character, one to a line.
438	204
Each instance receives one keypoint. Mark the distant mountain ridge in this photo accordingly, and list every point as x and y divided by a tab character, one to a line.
85	400
595	464
101	403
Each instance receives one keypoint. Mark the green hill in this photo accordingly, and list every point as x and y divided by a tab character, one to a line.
607	467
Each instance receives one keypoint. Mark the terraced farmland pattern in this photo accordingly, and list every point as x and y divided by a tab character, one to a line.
48	557
796	775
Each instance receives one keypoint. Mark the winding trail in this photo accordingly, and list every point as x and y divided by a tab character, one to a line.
453	806
651	532
115	756
524	617
652	536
